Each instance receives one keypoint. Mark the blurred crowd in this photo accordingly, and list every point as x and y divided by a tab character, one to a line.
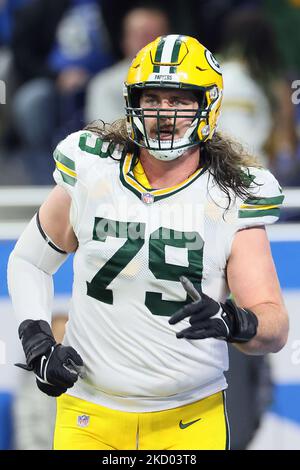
63	62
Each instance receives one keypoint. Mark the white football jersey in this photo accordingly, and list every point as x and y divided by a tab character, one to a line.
134	244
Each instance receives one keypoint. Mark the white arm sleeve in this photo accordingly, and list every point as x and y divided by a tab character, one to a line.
29	274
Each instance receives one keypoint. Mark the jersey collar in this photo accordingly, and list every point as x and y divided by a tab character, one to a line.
133	178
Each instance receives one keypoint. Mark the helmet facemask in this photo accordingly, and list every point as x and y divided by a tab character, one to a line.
160	148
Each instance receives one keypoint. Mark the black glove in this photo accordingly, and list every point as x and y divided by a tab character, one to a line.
56	367
210	319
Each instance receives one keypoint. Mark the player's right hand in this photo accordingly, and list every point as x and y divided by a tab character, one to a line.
54	372
56	367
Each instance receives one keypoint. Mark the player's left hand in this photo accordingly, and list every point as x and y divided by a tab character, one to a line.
211	319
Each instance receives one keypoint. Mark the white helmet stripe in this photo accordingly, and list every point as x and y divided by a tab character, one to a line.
167	51
168	48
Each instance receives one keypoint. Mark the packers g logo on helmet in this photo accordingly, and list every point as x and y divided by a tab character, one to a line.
174	61
212	61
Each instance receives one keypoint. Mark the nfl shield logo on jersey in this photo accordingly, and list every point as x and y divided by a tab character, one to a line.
83	421
147	198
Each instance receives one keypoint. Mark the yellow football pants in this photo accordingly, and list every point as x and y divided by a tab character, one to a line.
197	426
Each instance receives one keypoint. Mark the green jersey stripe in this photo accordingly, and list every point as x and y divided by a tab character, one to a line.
60	157
66	178
265	201
263	212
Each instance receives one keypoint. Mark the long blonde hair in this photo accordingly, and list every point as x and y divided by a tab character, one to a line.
224	159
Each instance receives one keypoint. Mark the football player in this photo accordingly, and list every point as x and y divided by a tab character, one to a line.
165	218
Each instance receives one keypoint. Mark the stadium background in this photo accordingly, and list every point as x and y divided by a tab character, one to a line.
280	426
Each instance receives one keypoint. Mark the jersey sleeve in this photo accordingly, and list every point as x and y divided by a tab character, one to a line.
65	173
75	158
262	206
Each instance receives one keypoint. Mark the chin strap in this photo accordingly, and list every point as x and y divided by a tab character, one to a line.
167	155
